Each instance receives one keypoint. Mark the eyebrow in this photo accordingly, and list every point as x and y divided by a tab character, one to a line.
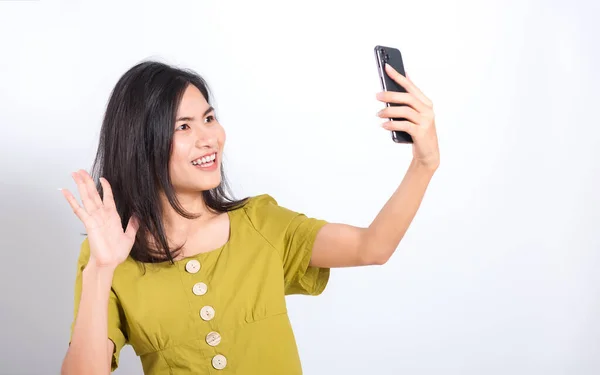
209	110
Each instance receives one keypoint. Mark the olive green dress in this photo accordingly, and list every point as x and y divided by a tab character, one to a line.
220	312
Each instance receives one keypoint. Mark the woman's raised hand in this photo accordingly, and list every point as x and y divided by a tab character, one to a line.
109	244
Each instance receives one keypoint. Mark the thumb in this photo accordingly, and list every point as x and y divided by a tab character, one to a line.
132	227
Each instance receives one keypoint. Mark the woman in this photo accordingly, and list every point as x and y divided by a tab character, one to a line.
193	279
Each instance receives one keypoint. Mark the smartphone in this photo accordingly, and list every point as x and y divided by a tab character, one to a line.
393	57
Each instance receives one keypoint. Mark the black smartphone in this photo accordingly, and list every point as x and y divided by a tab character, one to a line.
393	57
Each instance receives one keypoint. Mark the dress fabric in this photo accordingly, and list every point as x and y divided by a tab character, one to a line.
223	311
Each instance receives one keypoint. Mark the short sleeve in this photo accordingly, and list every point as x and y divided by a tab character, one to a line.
115	314
292	235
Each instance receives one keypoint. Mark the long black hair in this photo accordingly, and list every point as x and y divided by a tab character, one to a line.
134	150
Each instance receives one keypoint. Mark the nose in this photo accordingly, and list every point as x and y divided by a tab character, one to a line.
205	138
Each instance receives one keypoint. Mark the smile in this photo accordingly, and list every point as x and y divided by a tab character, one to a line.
205	161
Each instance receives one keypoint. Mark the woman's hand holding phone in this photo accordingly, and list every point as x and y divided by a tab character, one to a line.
419	118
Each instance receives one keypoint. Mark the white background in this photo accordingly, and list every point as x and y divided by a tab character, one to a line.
498	273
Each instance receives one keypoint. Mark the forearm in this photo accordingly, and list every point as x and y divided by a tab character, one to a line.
88	351
389	226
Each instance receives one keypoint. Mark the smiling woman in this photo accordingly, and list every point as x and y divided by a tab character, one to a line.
220	268
158	125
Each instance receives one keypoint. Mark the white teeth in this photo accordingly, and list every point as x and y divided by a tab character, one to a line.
205	159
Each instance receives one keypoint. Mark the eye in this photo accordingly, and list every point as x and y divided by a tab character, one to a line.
181	126
209	119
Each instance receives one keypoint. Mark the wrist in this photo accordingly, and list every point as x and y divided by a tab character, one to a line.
105	264
423	168
99	270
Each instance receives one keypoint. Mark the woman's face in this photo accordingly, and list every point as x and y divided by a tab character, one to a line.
198	140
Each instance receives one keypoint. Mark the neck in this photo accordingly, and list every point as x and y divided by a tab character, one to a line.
192	203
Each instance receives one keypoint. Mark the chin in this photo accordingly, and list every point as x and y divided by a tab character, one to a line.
210	185
192	188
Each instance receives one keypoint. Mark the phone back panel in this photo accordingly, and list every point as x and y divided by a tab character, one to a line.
393	57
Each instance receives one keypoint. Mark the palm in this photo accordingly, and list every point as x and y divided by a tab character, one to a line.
109	244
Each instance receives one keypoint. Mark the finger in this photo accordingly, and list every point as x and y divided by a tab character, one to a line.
108	198
407	84
92	190
77	209
401	112
402	98
88	203
132	227
405	126
424	97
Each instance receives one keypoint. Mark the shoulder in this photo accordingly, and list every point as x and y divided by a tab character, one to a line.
276	222
263	210
260	201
